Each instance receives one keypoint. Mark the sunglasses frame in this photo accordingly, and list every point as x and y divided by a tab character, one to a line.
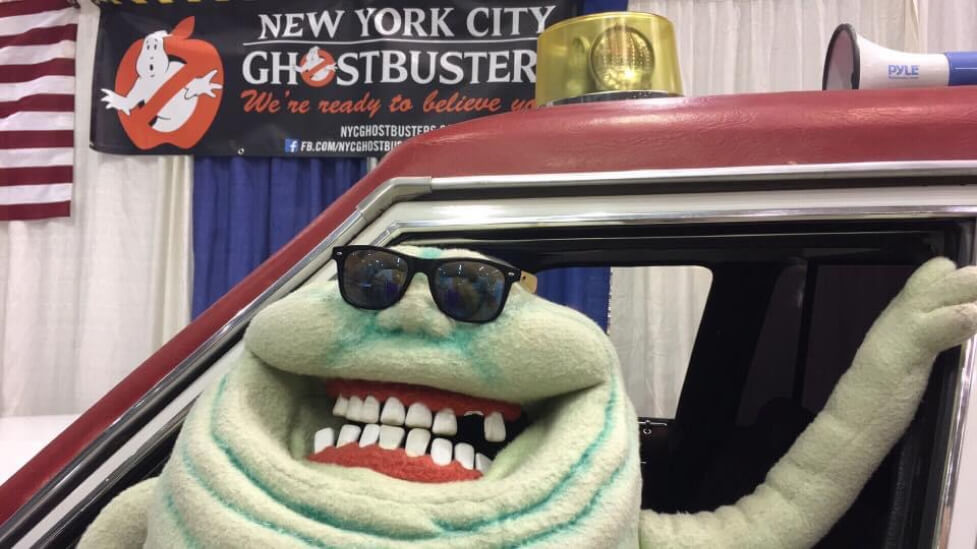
428	267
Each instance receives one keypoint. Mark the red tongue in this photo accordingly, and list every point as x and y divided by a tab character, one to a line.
434	399
395	463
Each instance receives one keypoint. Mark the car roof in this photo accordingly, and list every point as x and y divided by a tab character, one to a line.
700	132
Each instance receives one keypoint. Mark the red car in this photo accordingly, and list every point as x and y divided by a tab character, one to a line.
808	209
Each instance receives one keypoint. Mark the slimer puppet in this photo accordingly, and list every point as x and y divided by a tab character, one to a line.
428	399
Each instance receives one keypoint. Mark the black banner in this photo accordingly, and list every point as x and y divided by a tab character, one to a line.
305	77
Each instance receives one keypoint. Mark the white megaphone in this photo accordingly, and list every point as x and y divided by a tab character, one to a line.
853	62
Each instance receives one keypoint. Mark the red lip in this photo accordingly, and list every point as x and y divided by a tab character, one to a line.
395	463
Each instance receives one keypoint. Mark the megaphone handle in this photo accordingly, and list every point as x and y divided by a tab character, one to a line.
963	67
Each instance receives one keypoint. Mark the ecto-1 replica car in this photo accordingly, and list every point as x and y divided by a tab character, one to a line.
809	210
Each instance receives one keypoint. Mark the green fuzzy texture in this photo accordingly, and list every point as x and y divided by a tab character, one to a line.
238	477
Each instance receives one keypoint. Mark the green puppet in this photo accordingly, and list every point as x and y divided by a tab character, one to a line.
428	399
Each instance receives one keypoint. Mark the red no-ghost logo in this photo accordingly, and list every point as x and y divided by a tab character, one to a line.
317	67
167	88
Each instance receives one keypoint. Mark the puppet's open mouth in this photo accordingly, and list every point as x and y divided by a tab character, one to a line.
413	432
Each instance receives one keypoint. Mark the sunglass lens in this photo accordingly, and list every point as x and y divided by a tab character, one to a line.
469	290
373	279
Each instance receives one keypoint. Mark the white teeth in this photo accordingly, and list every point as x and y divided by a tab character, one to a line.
445	423
324	438
349	433
390	436
393	412
371	433
418	415
371	410
355	408
441	451
339	410
465	455
384	427
482	462
417	440
494	427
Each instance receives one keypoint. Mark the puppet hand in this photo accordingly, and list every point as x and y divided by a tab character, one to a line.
934	312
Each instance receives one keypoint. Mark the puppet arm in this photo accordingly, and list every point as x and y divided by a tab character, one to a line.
122	523
809	489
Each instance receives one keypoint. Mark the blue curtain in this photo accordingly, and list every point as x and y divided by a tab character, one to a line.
245	209
595	6
585	289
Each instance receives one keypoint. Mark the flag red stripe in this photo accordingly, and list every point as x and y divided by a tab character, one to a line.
40	102
34	211
25	73
26	7
30	26
37	139
39	37
39	175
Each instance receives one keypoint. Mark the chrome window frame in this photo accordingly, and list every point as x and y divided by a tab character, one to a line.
389	212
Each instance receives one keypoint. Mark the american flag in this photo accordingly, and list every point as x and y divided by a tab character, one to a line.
37	103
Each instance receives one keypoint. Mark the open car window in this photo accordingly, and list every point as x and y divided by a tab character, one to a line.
784	307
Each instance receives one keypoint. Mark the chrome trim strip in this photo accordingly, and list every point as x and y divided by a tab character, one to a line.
84	492
171	427
951	465
398	189
396	229
856	170
959	416
963	531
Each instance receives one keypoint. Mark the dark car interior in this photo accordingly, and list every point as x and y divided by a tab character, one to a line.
788	307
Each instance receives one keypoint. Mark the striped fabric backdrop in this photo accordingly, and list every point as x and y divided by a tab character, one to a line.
37	103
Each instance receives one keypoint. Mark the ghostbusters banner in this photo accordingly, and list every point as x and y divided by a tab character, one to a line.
305	77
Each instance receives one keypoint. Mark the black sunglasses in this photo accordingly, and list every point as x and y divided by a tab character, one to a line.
464	288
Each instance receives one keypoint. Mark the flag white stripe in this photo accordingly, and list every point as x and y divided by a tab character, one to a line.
46	84
19	24
29	158
30	120
35	194
32	55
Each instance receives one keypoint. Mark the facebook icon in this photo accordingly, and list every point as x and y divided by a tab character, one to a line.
291	145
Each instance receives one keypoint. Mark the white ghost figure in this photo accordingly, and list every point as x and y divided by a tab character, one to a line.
153	68
312	59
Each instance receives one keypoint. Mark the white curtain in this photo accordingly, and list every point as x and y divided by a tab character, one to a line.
654	312
741	46
83	300
947	25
